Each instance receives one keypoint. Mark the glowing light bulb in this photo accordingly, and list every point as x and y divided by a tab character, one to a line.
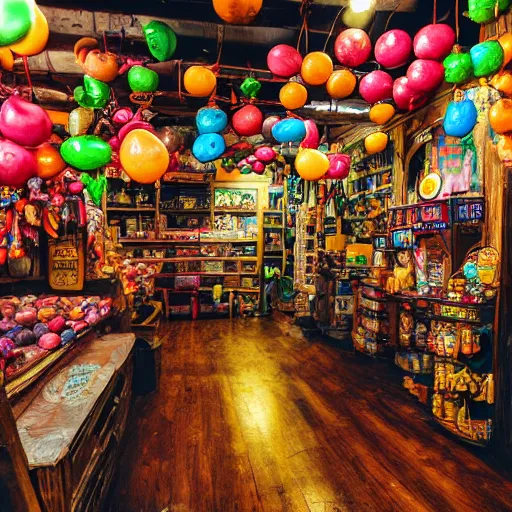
359	13
359	6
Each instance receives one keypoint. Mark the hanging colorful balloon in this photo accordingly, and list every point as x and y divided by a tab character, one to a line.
248	121
170	137
24	123
393	49
6	59
434	42
316	68
376	142
487	58
141	79
93	94
161	40
100	65
311	164
86	152
284	61
289	130
17	165
425	76
211	120
381	113
37	37
312	138
339	166
250	87
500	116
341	84
268	124
376	86
265	154
143	156
458	67
79	121
237	12
405	98
199	81
460	118
503	82
293	96
209	147
483	11
352	47
49	162
506	43
16	19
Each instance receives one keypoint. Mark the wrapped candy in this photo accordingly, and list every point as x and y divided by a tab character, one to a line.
40	329
49	341
24	337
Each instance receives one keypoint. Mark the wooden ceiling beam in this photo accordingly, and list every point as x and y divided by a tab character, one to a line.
381	5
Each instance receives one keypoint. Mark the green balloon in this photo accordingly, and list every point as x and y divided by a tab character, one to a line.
458	68
16	18
93	94
487	58
141	79
250	87
86	152
483	11
161	40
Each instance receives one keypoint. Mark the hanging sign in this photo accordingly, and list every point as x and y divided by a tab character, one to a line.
66	264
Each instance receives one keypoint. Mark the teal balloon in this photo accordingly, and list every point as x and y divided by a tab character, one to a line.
141	79
460	118
458	68
93	94
483	11
487	58
16	18
208	147
211	120
289	130
161	40
86	152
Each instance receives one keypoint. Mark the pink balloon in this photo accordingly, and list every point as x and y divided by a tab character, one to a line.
24	123
405	98
312	138
284	60
393	49
17	165
267	127
115	144
122	115
376	86
353	47
134	125
258	167
248	121
425	75
434	42
340	166
265	154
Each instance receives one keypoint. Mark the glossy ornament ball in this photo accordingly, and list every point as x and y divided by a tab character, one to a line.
86	152
483	11
289	130
37	37
17	165
141	79
284	61
49	161
376	86
460	118
16	19
341	84
311	164
376	142
208	147
500	116
425	76
211	120
352	47
339	166
143	156
381	113
293	96
405	98
458	67
248	121
237	12
393	49
487	58
161	40
199	81
506	43
434	42
316	68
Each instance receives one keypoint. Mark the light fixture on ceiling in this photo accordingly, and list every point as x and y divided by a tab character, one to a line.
359	13
361	6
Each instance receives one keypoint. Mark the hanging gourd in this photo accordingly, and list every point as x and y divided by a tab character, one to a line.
483	11
284	61
460	118
16	19
199	81
503	82
434	42
381	113
17	165
316	68
376	142
405	98
352	47
311	164
293	96
376	86
425	76
37	37
141	79
393	49
161	40
341	84
487	58
49	162
458	66
500	116
237	12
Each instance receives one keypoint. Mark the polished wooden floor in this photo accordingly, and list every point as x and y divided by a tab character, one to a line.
252	417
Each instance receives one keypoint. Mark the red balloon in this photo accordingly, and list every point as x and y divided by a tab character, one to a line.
135	125
248	121
376	86
405	98
284	60
393	49
353	47
425	75
17	165
434	42
339	166
24	123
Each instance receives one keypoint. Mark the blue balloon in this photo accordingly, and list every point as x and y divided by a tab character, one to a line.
289	130
208	147
460	118
211	120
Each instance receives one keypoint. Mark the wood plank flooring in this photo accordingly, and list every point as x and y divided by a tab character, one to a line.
250	416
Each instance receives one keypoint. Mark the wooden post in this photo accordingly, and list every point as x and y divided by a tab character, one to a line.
16	490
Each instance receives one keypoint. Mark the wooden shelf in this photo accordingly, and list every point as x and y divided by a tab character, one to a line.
195	211
275	212
269	226
6	280
218	211
229	240
231	289
179	259
156	242
131	209
165	275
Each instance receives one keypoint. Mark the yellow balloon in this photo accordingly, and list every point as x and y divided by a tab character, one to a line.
293	95
381	113
199	81
37	37
376	142
316	69
341	84
311	164
6	59
144	156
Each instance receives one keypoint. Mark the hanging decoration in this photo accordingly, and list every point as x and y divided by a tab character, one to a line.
376	142
199	81
171	138
352	47
37	37
293	96
268	124
211	120
284	61
376	86
458	66
86	152
316	68
250	88
248	121
79	121
6	59
381	113
16	20
93	94
500	116
487	58
434	42
289	130
161	40
141	79
208	147
311	164
237	12
393	49
339	166
17	165
506	43
483	11
460	118
49	162
341	84
425	76
503	82
312	138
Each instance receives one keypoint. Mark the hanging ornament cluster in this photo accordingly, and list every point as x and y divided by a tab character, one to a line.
483	11
210	144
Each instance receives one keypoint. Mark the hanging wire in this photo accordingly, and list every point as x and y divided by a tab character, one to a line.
457	27
333	26
393	12
435	12
304	12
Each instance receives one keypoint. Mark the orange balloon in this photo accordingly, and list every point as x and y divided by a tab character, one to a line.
144	156
49	161
58	117
500	116
316	68
37	37
199	81
506	43
237	12
505	150
6	59
381	113
376	142
311	164
503	82
341	84
293	95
